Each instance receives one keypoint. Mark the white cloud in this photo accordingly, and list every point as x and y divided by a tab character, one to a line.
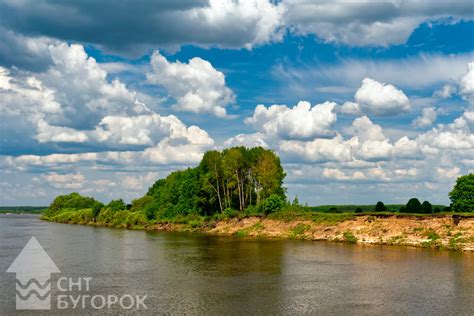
354	22
446	91
65	181
318	150
377	98
197	86
466	84
73	102
300	121
247	140
448	173
413	73
427	118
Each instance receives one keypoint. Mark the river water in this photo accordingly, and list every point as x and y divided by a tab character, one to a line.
208	275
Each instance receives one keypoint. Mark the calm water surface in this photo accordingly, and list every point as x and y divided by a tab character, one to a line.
199	274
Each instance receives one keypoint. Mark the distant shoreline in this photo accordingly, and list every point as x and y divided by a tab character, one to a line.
438	231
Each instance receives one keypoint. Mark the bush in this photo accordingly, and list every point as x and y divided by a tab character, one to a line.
436	210
380	207
151	210
358	210
272	204
96	208
349	237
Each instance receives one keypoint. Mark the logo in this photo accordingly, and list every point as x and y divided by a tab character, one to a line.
33	268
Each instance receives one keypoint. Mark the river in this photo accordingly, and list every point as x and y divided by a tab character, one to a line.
184	273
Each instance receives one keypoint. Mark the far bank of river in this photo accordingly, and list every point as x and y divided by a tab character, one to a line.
440	232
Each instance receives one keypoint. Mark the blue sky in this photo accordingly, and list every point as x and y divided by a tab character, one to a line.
364	101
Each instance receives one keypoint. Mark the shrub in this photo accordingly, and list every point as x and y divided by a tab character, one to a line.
151	210
436	210
272	204
349	237
358	210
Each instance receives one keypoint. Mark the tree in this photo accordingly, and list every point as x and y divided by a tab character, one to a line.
73	201
380	207
140	203
296	201
462	194
117	205
413	206
96	208
426	208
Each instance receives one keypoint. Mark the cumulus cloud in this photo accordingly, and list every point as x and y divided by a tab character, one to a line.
247	140
300	121
197	86
74	105
135	26
318	150
65	181
466	84
381	99
427	118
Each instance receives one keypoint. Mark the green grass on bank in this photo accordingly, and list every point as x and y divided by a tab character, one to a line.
138	220
364	207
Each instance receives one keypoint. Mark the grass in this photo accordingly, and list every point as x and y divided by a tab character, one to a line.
299	230
300	214
349	237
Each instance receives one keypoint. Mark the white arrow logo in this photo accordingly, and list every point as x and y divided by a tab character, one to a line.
33	268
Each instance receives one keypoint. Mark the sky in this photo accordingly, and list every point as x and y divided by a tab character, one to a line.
362	100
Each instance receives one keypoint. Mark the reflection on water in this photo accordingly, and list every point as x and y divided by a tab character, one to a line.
201	274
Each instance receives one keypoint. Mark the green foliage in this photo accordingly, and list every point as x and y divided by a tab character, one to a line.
426	208
272	204
140	203
96	208
299	230
462	194
358	210
380	207
413	206
117	205
296	201
349	237
73	201
236	178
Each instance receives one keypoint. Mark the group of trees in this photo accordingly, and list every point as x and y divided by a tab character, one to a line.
233	179
413	206
462	200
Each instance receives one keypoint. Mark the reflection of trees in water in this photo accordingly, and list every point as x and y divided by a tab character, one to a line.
227	275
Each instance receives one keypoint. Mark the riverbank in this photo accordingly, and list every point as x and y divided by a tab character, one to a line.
437	231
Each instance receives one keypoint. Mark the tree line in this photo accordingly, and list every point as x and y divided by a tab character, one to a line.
236	178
